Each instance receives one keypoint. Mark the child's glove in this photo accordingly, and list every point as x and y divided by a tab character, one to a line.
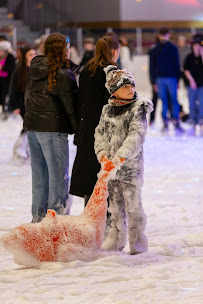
147	105
111	166
118	161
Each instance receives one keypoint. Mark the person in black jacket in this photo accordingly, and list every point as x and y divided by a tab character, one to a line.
194	74
89	46
165	73
16	95
155	95
51	114
7	65
92	97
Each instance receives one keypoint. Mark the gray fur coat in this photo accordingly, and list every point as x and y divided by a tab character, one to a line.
122	133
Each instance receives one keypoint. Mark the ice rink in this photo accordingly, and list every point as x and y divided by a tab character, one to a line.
172	269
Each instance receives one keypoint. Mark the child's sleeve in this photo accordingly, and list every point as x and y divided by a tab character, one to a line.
137	131
99	144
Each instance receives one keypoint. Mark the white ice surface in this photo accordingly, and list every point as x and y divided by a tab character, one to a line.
170	272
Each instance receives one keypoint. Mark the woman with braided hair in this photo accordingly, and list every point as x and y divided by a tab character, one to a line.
17	89
50	102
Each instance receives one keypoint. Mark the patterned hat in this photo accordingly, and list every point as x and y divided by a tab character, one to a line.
116	78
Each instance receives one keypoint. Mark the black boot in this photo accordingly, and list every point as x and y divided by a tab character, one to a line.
177	126
165	126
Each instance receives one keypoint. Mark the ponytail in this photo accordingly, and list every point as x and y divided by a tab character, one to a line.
103	53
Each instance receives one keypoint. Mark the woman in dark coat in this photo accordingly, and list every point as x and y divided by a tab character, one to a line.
7	65
92	97
51	114
16	95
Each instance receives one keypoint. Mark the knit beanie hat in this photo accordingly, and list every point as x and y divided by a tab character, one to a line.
5	45
116	78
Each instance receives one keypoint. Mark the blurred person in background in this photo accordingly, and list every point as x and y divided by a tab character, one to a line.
155	95
92	97
74	56
16	96
183	50
165	76
193	68
3	38
7	65
51	114
39	44
125	54
88	53
10	50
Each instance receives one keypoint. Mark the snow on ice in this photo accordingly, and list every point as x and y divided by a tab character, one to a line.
171	270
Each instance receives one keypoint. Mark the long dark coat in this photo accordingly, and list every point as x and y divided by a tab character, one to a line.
92	97
16	97
5	81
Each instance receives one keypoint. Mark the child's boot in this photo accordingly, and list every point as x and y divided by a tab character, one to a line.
110	242
138	242
116	240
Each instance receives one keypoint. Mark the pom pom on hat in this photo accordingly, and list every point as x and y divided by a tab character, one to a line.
116	78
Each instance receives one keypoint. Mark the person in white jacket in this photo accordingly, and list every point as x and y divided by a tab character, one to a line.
125	55
119	140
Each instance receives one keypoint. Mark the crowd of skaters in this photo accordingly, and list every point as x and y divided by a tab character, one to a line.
170	66
166	60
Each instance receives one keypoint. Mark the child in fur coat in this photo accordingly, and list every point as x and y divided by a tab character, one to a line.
119	140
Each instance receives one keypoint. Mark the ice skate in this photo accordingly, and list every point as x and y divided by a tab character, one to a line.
198	130
178	129
191	131
164	129
4	116
20	149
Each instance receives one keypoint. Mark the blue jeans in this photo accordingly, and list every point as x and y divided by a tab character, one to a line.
196	105
167	90
50	163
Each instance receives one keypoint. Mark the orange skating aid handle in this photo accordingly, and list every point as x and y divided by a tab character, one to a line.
51	212
105	161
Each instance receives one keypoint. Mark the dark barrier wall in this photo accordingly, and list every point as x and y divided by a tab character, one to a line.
40	14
